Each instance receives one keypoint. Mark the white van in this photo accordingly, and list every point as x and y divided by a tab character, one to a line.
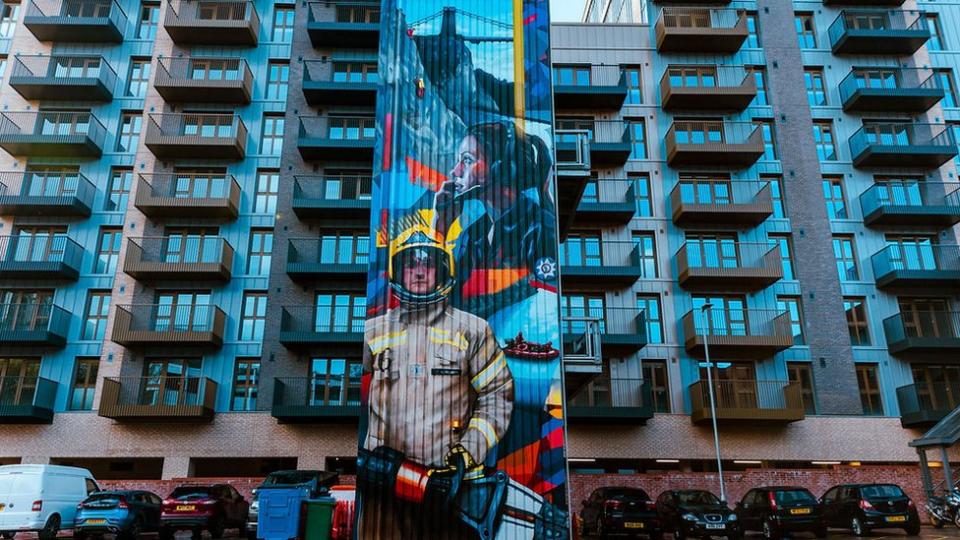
41	498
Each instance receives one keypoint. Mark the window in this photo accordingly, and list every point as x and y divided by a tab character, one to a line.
869	384
641	183
571	75
856	309
352	128
129	136
579	306
907	252
776	194
759	74
119	190
935	43
753	31
108	251
806	33
845	254
261	252
84	384
3	65
254	316
335	381
954	127
340	312
823	137
791	304
646	253
149	16
638	138
769	139
693	76
836	202
816	87
278	80
9	14
634	79
655	373
246	382
271	139
582	249
938	385
139	78
927	317
282	31
709	250
800	373
265	199
786	254
945	78
95	320
649	304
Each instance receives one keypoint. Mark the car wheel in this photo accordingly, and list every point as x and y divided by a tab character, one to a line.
656	535
252	535
8	535
197	533
216	528
857	527
132	532
769	530
165	533
602	534
820	532
50	529
678	533
80	535
913	529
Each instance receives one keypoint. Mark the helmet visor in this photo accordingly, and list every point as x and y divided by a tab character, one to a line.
421	270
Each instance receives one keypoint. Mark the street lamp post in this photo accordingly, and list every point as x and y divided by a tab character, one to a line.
704	310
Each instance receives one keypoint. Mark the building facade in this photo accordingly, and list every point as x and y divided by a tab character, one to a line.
186	205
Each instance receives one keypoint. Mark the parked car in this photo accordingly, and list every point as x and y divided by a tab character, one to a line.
41	498
620	511
318	483
864	507
213	507
775	511
123	513
694	512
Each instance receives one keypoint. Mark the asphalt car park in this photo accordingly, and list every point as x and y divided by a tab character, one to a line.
926	533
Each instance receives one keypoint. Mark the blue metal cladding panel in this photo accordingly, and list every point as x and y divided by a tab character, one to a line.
462	425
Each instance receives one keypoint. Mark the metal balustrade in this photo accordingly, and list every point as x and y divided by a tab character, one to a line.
160	397
720	201
922	331
902	144
714	143
31	323
212	22
707	87
204	79
63	77
196	135
179	257
188	325
738	333
722	264
880	89
193	195
52	134
46	193
748	400
77	21
700	29
911	202
27	399
40	256
878	31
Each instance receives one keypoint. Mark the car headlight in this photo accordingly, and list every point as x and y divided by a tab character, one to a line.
690	517
732	517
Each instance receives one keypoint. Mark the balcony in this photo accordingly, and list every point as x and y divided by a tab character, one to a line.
31	324
699	29
63	77
609	142
158	399
714	143
76	21
336	197
306	400
573	175
178	258
354	83
922	405
613	401
747	401
334	23
196	136
689	2
337	329
608	201
600	87
622	331
902	145
906	90
58	134
600	263
873	32
923	332
903	203
27	400
45	193
328	258
164	325
337	137
212	22
864	3
721	202
727	265
751	334
204	80
694	88
40	257
917	266
188	195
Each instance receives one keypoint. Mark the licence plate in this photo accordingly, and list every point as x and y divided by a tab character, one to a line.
186	507
799	511
896	519
633	525
715	525
95	521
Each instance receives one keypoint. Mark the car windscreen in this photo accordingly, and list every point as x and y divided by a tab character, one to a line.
794	496
186	493
697	498
627	494
291	478
885	491
103	499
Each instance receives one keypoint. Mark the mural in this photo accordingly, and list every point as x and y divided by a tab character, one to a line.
462	434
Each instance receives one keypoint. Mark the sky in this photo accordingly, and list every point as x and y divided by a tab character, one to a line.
566	10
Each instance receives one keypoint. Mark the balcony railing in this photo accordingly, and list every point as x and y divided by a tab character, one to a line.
911	203
738	333
204	79
748	401
52	134
305	399
923	266
158	398
873	31
600	262
699	29
188	195
622	330
189	325
196	135
605	88
86	21
337	326
337	137
340	82
694	87
332	23
45	193
33	324
728	265
721	202
923	404
902	145
317	196
861	3
613	400
923	331
608	200
714	143
212	22
27	399
178	258
40	256
891	89
69	77
609	140
332	257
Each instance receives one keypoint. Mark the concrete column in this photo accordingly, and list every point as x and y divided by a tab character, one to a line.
35	460
176	467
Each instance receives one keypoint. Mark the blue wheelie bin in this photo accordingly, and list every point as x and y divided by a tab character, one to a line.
279	517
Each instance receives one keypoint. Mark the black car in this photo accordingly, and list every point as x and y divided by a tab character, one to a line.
694	512
864	507
620	511
779	510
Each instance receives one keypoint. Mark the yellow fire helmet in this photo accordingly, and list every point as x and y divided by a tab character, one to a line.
421	245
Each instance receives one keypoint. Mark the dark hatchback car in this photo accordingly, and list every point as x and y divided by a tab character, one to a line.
864	507
126	514
776	511
692	512
622	512
212	507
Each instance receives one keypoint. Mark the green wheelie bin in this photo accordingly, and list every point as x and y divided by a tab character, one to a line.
319	522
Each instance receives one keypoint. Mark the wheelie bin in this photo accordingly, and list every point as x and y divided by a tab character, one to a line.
319	518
